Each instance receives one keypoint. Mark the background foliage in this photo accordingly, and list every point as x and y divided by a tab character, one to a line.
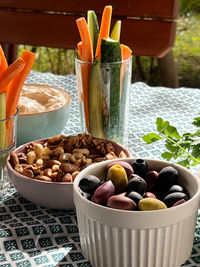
186	53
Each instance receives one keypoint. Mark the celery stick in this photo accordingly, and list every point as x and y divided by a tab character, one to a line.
3	141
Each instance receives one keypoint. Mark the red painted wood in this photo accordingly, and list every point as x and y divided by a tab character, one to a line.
145	37
141	8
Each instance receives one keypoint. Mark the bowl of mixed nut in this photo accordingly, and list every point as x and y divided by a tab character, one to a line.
43	171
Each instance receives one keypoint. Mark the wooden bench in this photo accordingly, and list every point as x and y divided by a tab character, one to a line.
148	27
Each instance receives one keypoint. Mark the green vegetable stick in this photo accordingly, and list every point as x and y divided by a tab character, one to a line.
3	141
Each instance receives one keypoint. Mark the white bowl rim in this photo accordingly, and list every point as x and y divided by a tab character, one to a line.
68	100
136	212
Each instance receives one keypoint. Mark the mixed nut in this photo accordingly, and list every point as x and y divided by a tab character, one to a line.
61	158
134	187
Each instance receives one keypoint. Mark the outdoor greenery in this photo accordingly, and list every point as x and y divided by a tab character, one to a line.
186	53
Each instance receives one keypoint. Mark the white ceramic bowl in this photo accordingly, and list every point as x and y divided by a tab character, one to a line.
56	195
116	238
44	124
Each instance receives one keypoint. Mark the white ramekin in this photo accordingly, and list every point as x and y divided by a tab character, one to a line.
117	238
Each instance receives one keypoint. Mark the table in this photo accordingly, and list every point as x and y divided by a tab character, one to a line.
32	235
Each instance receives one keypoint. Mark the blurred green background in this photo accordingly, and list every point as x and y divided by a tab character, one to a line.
186	53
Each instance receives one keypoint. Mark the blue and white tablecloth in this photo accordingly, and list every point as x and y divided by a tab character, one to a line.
32	235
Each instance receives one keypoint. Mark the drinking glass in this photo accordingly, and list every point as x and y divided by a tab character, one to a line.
8	131
103	91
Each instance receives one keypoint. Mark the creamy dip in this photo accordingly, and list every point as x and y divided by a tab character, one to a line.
38	98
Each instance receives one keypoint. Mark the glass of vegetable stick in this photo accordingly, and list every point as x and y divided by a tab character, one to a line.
103	91
8	129
103	71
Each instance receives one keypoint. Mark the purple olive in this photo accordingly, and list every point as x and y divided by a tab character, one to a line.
121	202
148	194
150	179
103	192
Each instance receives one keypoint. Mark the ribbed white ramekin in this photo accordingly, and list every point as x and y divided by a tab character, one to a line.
117	238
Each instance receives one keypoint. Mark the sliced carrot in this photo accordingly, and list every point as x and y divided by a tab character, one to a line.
125	52
104	28
80	49
87	53
3	64
15	87
87	56
9	73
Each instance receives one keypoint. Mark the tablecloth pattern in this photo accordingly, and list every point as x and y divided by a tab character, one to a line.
31	235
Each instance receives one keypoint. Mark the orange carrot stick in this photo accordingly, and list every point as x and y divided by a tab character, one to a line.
87	53
3	64
80	49
125	52
15	87
87	56
104	28
9	73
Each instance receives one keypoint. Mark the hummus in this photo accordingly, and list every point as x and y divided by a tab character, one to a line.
38	98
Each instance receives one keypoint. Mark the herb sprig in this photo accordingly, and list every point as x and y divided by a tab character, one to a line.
184	149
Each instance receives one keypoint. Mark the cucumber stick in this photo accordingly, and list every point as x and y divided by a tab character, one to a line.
111	53
95	101
3	141
116	31
93	27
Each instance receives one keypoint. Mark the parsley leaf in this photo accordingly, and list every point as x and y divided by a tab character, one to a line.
185	148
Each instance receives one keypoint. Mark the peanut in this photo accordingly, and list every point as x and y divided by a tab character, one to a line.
43	178
38	150
14	159
31	156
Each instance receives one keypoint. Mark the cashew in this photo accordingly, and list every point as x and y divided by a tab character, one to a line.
77	155
46	151
48	172
65	157
55	168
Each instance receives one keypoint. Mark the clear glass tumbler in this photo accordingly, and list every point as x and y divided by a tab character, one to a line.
8	130
104	91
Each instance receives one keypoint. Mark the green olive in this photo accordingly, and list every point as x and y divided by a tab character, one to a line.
118	176
151	204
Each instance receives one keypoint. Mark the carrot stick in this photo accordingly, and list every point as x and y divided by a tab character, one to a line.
125	52
9	73
80	49
15	87
87	56
104	28
87	53
3	64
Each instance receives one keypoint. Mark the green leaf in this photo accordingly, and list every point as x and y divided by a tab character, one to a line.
171	131
161	125
196	121
184	163
151	137
167	155
171	146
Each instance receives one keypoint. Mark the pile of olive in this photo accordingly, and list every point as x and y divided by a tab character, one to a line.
133	187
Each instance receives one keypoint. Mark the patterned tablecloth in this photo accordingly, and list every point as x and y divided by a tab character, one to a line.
32	235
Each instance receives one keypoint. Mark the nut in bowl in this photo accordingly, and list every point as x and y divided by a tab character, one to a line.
43	112
43	171
120	232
